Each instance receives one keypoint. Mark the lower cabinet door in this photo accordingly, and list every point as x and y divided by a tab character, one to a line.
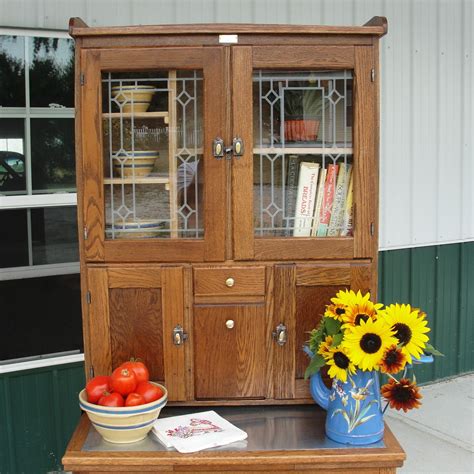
230	351
133	312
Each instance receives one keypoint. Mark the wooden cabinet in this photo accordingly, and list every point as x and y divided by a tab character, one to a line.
227	188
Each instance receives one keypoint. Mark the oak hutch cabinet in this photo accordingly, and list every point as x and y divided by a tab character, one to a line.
227	187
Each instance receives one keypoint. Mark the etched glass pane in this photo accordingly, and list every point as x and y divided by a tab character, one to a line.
302	153
153	170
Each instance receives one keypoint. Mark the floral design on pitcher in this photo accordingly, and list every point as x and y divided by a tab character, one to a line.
356	414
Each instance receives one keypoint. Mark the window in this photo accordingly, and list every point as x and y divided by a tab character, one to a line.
39	269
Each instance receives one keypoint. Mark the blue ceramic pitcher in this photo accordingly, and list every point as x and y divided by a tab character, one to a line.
354	414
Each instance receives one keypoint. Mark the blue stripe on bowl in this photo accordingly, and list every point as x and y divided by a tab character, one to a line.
151	225
131	427
116	412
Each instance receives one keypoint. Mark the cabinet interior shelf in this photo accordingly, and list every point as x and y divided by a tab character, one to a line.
164	115
138	180
289	150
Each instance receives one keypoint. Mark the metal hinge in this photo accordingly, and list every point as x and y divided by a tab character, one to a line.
88	297
91	372
372	75
85	233
372	228
82	79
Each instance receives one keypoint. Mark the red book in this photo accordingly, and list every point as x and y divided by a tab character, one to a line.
328	199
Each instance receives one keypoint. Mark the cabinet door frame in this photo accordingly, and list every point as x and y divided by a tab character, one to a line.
170	280
93	62
355	275
362	61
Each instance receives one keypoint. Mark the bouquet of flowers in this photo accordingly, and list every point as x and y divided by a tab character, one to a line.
356	333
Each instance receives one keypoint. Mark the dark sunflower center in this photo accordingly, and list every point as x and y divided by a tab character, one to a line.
361	317
402	333
340	311
341	360
402	393
370	343
391	357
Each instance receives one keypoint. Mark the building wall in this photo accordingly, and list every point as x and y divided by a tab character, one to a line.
426	197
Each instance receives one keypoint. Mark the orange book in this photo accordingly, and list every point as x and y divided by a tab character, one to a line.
328	199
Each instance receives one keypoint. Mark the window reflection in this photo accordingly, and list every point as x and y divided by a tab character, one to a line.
51	72
12	158
12	71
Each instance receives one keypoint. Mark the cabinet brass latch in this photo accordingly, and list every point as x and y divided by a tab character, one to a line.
280	334
219	150
179	336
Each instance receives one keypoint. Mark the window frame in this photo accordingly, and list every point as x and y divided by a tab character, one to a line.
30	201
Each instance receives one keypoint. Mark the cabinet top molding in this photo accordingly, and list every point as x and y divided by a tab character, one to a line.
377	26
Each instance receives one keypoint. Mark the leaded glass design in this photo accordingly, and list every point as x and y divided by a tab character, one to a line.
152	125
302	153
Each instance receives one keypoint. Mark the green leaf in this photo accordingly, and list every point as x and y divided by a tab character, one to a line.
337	339
332	326
316	363
429	349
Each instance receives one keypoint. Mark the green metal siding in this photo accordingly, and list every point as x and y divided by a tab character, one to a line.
38	412
440	280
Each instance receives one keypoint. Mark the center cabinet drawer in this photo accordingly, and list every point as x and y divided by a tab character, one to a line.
221	281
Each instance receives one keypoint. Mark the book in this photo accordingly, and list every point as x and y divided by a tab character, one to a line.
306	198
328	199
319	201
335	223
291	192
348	210
197	431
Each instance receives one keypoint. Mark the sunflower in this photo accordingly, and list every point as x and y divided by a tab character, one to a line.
325	346
409	326
335	311
403	395
367	342
354	314
339	363
349	298
393	360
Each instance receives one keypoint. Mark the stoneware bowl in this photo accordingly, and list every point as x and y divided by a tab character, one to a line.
133	98
123	424
138	164
137	229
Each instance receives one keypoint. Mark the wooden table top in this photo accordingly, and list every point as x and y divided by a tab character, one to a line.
280	438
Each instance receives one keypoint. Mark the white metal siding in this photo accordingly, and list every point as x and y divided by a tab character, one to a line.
427	171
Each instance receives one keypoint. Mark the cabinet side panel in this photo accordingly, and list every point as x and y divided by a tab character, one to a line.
173	315
366	164
99	324
137	327
92	192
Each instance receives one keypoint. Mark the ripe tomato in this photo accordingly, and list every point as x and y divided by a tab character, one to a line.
140	369
134	399
96	387
149	391
111	400
123	381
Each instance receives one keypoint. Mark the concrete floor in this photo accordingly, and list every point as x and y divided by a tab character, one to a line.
438	437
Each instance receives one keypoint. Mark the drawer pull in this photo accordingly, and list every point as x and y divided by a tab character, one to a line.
229	324
230	282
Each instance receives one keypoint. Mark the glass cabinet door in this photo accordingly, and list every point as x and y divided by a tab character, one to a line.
153	154
302	153
308	114
148	154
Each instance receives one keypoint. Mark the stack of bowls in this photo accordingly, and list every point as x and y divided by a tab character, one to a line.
134	98
136	164
123	424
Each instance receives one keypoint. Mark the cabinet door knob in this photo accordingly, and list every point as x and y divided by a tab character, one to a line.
229	324
230	282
